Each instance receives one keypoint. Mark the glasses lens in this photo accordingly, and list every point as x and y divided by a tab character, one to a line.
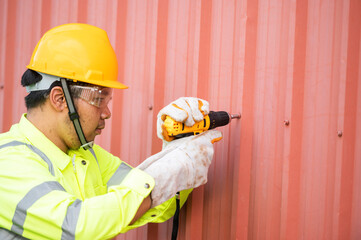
95	96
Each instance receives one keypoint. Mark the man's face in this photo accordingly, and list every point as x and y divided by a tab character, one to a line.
93	109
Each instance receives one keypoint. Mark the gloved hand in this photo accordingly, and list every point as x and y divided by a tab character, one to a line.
187	110
183	164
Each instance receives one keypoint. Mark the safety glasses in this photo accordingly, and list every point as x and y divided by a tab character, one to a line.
94	95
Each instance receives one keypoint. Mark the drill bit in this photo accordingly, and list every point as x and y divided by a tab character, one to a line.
235	115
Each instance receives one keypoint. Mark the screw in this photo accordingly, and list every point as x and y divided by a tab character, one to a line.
150	107
1	87
286	122
339	133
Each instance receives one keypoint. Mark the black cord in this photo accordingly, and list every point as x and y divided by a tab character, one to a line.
176	217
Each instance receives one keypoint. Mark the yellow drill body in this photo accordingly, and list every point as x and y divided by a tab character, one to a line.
210	121
175	128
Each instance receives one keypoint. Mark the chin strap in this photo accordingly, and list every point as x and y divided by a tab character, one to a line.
74	116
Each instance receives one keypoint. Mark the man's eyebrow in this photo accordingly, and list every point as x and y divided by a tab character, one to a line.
107	92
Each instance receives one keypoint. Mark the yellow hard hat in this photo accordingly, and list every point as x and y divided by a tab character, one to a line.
77	51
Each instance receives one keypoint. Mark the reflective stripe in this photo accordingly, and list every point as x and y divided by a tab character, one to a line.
30	198
35	150
37	192
119	175
95	156
7	235
71	220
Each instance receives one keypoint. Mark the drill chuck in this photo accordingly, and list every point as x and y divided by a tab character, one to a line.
218	119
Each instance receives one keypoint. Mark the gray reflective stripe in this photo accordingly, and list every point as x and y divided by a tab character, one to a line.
71	220
72	215
35	150
119	175
30	198
7	235
92	152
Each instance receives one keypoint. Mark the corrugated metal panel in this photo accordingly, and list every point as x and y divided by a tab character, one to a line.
274	61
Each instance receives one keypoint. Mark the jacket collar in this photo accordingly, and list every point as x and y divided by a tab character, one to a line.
39	140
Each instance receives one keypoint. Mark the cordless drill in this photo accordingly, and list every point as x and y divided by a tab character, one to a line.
178	130
210	121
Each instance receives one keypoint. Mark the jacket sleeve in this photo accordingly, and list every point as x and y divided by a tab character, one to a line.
34	204
160	213
113	171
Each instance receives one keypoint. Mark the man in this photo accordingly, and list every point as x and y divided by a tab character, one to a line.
57	184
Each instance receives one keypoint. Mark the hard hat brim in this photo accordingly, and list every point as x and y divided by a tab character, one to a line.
109	84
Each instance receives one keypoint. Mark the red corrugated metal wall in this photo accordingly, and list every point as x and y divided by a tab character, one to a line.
291	167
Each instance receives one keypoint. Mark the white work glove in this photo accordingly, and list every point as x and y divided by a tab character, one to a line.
183	164
187	110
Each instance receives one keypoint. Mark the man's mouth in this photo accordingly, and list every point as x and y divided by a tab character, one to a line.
99	129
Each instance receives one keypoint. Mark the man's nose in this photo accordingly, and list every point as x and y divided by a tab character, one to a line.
106	114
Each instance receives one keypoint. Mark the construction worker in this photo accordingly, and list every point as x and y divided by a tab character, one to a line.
57	184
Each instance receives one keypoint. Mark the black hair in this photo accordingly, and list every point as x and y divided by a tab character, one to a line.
36	98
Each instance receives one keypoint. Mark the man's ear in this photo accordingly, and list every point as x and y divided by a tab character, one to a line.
57	99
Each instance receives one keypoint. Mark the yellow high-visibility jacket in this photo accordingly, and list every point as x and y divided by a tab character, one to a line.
47	194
